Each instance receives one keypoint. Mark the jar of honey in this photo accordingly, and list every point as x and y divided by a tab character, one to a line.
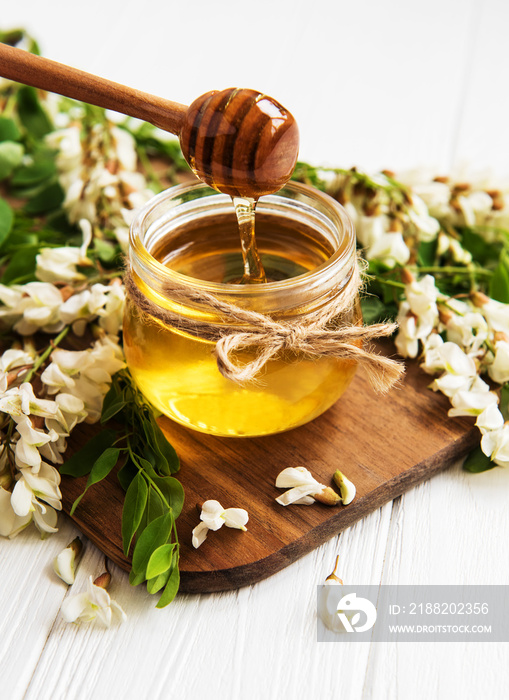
189	234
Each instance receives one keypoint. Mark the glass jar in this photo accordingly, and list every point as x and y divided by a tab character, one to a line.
189	234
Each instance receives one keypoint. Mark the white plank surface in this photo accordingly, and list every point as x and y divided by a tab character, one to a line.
381	84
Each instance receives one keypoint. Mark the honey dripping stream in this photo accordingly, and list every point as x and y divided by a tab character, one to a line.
253	268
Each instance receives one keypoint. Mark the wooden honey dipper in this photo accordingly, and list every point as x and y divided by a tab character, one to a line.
239	141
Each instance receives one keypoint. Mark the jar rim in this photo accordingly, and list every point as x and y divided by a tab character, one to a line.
149	268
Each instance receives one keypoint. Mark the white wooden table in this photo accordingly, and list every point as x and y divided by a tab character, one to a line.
392	84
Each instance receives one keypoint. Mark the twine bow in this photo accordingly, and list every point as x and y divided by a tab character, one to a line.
318	334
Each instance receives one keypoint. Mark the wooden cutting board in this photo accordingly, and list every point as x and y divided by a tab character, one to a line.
384	444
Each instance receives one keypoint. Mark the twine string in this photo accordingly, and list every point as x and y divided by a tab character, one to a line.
325	332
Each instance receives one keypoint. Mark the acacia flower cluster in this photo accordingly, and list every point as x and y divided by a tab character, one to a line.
47	307
380	224
437	251
393	218
97	164
35	428
460	340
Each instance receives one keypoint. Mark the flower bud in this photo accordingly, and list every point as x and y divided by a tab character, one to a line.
406	276
67	292
5	480
396	225
328	602
445	315
372	209
462	187
479	299
332	579
346	487
103	581
65	563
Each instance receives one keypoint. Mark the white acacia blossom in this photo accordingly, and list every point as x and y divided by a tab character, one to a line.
301	484
94	604
42	306
418	315
60	264
213	516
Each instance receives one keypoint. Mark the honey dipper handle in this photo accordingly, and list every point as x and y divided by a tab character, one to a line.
27	68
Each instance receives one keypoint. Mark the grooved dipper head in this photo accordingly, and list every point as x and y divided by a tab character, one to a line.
240	142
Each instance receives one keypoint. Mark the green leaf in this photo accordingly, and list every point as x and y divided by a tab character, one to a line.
47	199
155	141
31	113
136	579
127	473
59	222
41	168
11	155
172	490
171	589
134	505
476	244
426	253
114	404
153	536
164	448
477	462
9	130
106	251
81	462
103	465
504	401
21	267
155	508
20	238
155	584
12	36
100	470
499	285
160	560
373	310
6	220
158	450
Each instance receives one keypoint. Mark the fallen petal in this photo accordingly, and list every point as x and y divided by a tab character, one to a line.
235	517
199	535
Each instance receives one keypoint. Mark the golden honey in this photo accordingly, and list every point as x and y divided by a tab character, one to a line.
307	247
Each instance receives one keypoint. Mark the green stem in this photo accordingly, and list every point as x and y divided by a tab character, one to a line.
123	437
389	283
452	270
444	301
490	345
10	106
44	356
105	276
147	476
8	446
147	165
